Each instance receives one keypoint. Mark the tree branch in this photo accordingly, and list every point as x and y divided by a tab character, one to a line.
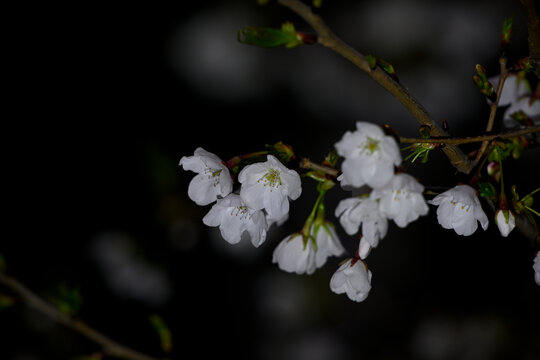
472	139
533	28
110	347
326	38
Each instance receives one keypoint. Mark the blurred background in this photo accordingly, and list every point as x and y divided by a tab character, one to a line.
108	97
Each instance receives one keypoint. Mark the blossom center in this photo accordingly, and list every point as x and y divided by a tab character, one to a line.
213	173
371	145
241	211
272	179
460	206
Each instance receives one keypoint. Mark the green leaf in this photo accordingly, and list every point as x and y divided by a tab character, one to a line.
67	300
163	332
486	190
271	37
507	30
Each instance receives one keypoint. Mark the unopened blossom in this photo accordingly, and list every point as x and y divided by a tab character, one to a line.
234	218
213	179
401	199
370	156
352	278
505	220
460	209
536	267
295	256
269	185
364	211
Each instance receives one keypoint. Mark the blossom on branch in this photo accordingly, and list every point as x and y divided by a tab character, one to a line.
269	185
517	96
460	209
234	218
352	278
303	255
327	242
505	221
294	255
356	211
370	156
213	179
401	199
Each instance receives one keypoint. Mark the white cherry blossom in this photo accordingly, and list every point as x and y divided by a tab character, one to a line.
356	211
352	278
213	179
293	256
536	267
517	96
460	209
298	254
370	156
234	218
269	185
401	199
505	220
327	241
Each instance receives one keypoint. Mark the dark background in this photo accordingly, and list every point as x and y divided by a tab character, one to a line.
105	100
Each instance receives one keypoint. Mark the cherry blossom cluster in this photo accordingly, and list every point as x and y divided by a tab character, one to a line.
249	197
261	200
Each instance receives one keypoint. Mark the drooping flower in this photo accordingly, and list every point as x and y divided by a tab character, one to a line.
356	211
269	185
517	96
460	209
370	156
301	255
352	278
536	267
327	241
401	199
295	256
213	179
234	218
505	221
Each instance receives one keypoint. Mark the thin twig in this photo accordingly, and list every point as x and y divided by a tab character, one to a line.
110	347
494	106
472	139
305	163
327	38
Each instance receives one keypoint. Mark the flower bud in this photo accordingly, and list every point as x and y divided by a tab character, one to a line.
505	221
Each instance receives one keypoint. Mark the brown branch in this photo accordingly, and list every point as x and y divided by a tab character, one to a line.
110	347
305	163
494	106
533	28
472	139
326	38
